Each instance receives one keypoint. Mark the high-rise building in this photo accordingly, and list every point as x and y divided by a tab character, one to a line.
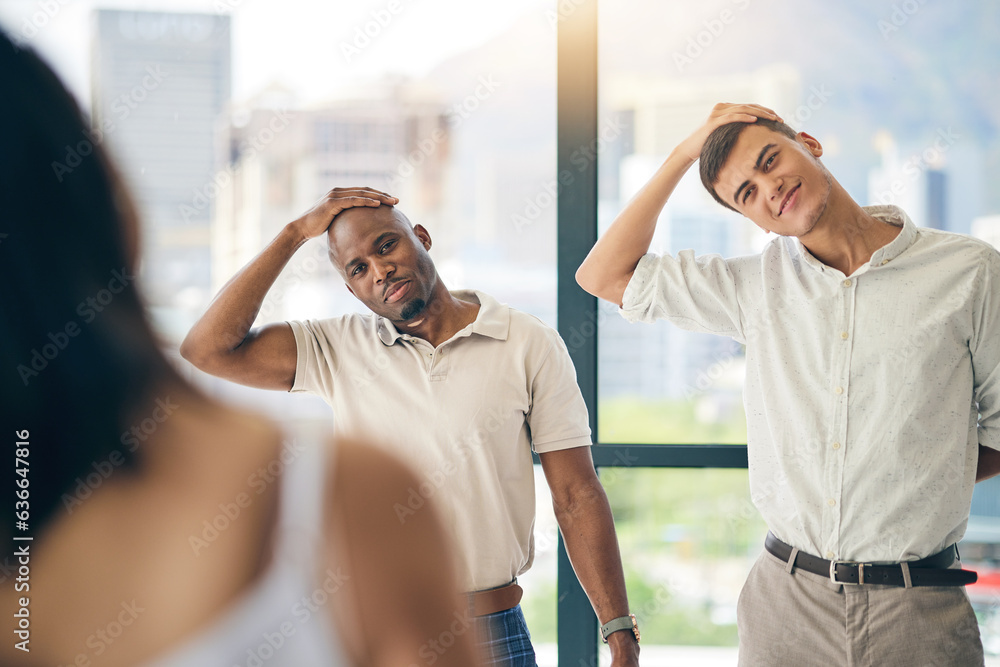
159	84
916	184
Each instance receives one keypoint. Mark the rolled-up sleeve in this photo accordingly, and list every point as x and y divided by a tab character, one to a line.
694	293
985	349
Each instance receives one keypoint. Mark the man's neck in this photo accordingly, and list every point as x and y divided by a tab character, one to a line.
442	318
846	236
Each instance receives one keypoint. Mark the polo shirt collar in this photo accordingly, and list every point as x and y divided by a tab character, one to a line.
886	213
493	320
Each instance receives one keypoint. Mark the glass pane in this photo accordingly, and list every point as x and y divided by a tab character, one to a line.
539	583
688	539
229	141
262	107
902	97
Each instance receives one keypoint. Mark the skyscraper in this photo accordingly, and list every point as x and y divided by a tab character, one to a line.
159	84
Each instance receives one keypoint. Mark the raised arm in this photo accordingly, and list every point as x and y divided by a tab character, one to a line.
608	268
222	342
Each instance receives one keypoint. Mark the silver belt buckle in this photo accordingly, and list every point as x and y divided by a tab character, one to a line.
861	572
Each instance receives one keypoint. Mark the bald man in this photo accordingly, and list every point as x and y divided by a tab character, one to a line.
459	386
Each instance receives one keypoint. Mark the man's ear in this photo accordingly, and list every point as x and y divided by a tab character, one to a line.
423	235
810	142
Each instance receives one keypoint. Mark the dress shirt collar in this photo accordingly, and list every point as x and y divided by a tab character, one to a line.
886	213
493	319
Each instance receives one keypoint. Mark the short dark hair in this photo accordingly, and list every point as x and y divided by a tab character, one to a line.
720	144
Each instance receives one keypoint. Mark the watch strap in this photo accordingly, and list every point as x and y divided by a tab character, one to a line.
620	623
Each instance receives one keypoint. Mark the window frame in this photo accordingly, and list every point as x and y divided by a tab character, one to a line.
576	311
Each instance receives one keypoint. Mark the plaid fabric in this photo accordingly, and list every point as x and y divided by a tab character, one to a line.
503	639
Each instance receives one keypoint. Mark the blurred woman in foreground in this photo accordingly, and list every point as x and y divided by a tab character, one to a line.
169	529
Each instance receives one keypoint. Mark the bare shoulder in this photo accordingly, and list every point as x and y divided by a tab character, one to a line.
205	433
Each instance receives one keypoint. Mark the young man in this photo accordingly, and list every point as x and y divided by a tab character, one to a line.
458	385
872	392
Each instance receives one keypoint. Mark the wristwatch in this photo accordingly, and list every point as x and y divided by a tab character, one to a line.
620	623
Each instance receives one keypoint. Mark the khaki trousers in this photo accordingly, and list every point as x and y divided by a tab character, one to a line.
803	619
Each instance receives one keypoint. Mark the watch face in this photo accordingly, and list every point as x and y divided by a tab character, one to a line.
635	627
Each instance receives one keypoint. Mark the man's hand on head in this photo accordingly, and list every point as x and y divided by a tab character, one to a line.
317	220
723	114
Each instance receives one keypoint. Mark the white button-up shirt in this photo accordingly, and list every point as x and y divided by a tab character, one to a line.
866	395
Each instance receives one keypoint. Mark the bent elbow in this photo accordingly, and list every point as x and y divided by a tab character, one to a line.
186	349
585	280
192	353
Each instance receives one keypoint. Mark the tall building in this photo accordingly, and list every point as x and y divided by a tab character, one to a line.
916	184
159	84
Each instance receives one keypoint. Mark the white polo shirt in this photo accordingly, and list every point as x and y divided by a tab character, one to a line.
465	416
866	395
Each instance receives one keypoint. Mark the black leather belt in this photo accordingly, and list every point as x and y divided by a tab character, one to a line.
930	571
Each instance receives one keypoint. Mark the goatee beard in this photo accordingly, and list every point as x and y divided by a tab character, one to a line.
412	309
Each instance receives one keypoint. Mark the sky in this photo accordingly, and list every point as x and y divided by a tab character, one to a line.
310	45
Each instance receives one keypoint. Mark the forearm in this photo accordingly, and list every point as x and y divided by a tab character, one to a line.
609	265
588	530
229	317
989	463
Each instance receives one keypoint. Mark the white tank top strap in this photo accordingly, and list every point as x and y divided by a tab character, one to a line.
283	619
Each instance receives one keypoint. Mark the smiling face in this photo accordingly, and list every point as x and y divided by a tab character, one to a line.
777	182
384	261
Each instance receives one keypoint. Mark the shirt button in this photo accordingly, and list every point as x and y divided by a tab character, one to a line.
847	283
829	555
838	390
843	334
836	445
831	502
884	262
